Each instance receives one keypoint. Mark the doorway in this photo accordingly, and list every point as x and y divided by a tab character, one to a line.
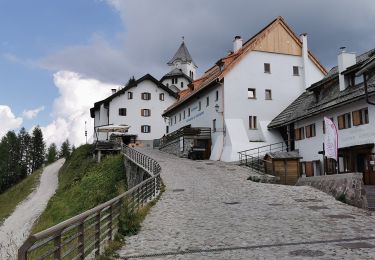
369	170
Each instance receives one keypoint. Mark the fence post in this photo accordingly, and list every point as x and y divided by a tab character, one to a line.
81	240
97	234
57	243
110	233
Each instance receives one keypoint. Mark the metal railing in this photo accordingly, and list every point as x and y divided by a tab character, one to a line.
253	158
186	132
85	235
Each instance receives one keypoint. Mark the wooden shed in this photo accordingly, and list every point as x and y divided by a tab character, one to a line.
284	165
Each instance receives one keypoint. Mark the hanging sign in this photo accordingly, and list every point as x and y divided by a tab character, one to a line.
330	139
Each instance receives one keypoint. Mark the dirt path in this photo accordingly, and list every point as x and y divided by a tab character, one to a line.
16	227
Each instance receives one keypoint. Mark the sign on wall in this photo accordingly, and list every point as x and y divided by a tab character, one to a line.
330	139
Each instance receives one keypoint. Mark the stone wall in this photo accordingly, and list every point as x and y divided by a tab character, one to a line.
348	187
134	173
174	147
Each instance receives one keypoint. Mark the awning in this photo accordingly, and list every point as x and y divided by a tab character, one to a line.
113	128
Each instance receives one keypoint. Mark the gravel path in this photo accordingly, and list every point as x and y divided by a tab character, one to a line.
16	227
210	211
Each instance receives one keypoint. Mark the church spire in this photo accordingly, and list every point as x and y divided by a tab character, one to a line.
182	54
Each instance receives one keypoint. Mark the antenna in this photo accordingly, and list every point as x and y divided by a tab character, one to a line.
86	131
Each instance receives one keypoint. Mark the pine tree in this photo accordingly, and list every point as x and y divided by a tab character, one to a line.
65	149
52	153
25	152
38	148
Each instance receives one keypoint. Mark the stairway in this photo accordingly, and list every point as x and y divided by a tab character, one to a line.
370	193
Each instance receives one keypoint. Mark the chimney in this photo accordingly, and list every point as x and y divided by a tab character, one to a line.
344	61
113	91
237	43
305	60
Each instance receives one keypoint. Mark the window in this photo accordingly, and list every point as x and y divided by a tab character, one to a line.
188	111
179	117
145	112
146	96
146	129
295	71
167	129
344	121
267	68
175	119
207	101
182	84
130	95
199	106
214	125
360	117
299	133
167	84
122	111
310	131
184	114
216	95
251	93
174	81
252	122
161	96
268	94
191	74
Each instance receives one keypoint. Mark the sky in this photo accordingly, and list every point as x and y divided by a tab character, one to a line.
59	57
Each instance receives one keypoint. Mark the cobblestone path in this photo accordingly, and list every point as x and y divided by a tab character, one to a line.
210	211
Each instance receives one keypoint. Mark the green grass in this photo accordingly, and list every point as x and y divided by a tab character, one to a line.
14	195
83	184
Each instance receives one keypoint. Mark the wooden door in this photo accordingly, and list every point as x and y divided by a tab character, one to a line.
369	170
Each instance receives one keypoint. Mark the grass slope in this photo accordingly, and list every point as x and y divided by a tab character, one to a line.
17	193
83	184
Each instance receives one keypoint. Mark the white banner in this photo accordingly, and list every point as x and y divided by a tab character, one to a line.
330	139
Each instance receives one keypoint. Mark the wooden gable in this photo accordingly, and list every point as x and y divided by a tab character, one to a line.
278	39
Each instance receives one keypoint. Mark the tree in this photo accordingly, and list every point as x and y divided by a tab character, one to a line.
130	81
52	153
38	148
25	152
10	158
65	149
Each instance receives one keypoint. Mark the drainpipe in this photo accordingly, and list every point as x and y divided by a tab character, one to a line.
222	117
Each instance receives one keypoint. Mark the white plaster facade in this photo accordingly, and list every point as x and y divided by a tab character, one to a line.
108	113
353	136
235	107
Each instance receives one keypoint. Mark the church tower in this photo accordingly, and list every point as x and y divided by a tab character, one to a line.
182	69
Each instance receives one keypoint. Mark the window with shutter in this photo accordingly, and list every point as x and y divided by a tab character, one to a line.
308	131
341	121
357	117
297	134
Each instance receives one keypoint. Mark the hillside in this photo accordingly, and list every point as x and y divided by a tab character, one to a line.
83	184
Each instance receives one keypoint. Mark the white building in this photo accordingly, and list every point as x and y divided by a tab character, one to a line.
138	105
245	90
141	103
341	96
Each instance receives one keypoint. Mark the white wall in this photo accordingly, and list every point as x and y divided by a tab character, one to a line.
285	87
204	117
249	73
178	85
133	106
356	135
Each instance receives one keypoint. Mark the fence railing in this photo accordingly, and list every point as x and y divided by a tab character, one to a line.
85	235
254	158
187	131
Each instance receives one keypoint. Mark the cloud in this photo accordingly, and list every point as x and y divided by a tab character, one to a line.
32	113
77	94
153	30
8	120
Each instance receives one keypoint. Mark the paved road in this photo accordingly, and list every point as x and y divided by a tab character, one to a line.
210	211
16	228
